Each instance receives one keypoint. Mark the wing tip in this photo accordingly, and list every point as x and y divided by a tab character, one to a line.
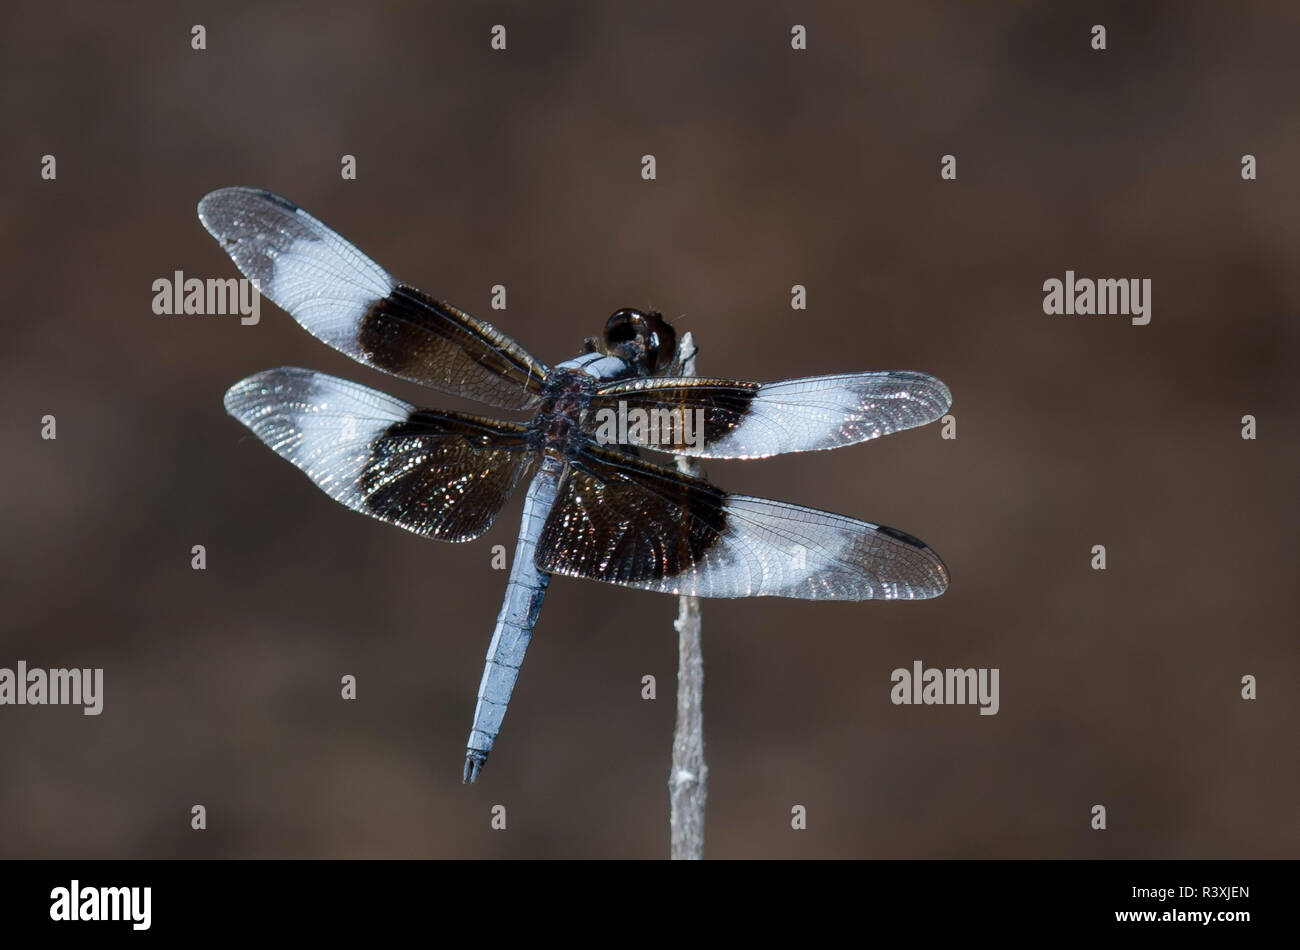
213	206
942	392
941	395
217	195
939	568
945	579
236	397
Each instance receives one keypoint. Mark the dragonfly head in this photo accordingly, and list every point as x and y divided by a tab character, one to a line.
646	340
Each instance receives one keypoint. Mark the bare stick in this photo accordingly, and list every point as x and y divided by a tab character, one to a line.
688	780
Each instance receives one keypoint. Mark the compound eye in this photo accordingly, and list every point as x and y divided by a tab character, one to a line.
623	326
661	342
652	340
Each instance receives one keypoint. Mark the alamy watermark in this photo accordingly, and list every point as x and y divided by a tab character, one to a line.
179	295
1105	295
57	687
680	428
950	687
75	902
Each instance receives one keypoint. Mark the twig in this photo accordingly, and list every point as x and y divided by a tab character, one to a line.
688	780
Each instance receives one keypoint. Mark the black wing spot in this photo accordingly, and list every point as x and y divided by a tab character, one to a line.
902	536
278	200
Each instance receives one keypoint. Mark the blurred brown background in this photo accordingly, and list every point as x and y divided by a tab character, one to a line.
775	167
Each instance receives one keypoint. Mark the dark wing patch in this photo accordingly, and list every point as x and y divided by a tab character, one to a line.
441	475
622	521
418	337
346	300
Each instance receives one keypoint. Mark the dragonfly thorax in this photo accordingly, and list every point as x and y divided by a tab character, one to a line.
557	427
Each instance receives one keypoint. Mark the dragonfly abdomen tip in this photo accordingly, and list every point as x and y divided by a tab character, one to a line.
474	760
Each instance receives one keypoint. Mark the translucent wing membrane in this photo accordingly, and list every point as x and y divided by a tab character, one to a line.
720	418
442	475
625	522
347	300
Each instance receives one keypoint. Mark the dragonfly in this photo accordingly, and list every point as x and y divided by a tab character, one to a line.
596	507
